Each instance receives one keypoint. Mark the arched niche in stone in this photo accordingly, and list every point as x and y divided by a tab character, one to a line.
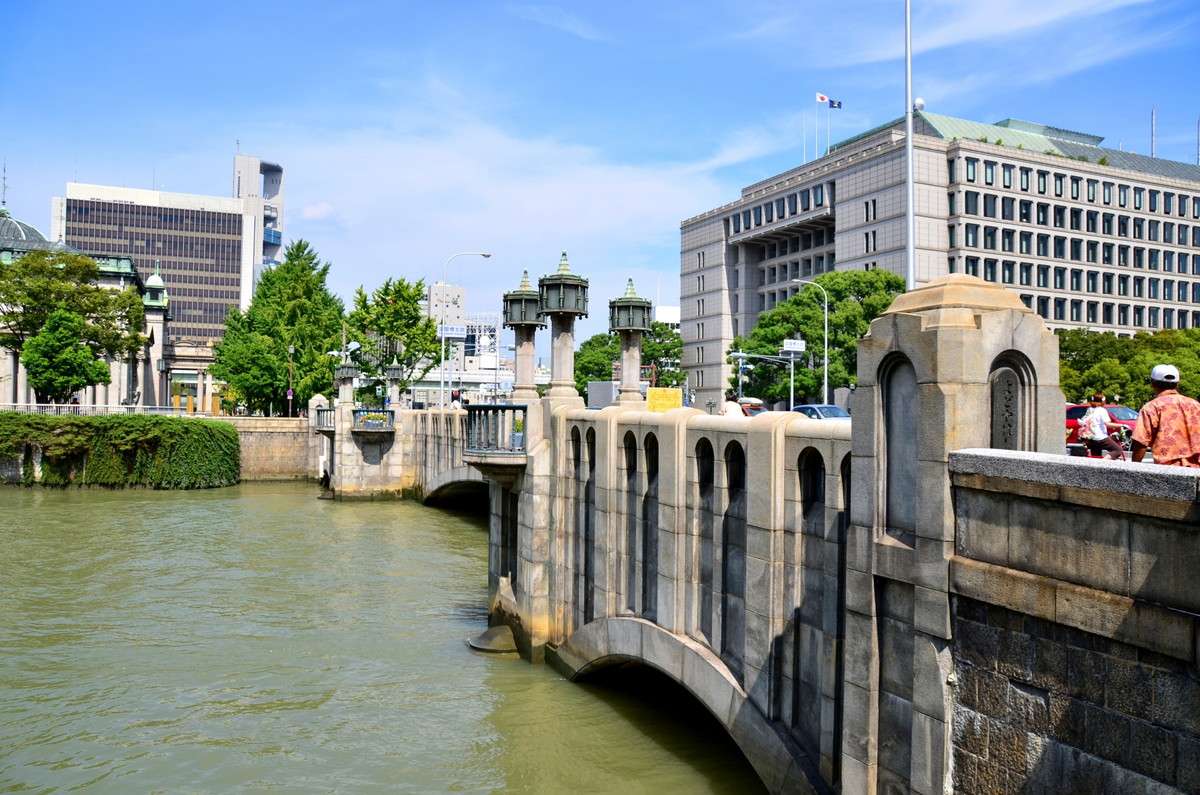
1012	391
898	476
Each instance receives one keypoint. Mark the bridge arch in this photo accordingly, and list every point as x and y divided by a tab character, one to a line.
776	757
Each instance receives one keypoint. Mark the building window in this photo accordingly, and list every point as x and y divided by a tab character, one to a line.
972	235
1025	172
989	205
1092	278
989	172
1123	285
1043	276
989	270
1091	190
1007	175
1008	208
971	165
818	195
952	170
971	203
1026	211
1059	180
1076	311
1122	195
1092	311
1043	306
1006	271
1060	278
1007	240
972	266
1108	186
1043	178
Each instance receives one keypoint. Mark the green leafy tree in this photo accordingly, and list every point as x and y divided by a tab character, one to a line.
39	283
663	348
595	359
855	299
58	362
391	326
1118	366
292	307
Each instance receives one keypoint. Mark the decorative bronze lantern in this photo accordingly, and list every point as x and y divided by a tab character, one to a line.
563	293
521	306
629	312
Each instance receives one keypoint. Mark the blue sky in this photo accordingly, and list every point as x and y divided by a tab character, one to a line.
410	131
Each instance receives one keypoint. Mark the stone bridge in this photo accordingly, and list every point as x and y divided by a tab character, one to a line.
929	598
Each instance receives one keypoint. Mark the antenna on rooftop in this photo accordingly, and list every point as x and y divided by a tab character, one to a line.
4	183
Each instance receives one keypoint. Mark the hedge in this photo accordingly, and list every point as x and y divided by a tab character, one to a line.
122	450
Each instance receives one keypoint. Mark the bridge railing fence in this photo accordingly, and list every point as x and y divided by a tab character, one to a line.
326	418
496	429
66	409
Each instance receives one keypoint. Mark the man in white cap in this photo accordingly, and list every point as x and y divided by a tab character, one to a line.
1169	424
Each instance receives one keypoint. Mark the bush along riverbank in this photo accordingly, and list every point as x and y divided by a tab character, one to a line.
118	451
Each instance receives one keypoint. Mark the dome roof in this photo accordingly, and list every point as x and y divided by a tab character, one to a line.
12	229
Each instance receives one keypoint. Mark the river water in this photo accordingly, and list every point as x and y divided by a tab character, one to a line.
256	639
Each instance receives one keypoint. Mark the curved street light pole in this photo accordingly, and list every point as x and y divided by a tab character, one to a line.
825	368
442	327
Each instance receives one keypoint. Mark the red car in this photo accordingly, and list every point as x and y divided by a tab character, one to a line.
1120	414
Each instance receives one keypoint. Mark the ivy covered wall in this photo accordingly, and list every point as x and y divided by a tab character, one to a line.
119	450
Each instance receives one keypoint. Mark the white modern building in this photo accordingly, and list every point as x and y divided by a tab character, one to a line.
209	250
1089	237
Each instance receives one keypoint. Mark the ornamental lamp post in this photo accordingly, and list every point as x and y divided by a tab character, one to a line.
291	354
521	308
629	316
563	296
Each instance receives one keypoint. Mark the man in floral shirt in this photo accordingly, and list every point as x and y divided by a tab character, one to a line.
1169	424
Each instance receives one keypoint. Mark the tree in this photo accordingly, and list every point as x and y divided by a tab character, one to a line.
39	283
663	348
1118	366
58	362
855	299
595	359
292	307
391	325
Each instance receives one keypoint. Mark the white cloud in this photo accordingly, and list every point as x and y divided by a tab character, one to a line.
557	18
318	211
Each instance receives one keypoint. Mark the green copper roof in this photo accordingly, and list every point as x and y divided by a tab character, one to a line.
1038	138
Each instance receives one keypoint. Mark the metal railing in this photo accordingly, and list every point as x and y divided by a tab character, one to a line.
66	409
373	420
496	429
325	419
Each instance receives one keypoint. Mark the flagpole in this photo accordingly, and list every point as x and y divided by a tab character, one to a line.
910	225
816	129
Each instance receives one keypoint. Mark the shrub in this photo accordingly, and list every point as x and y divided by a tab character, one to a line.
121	450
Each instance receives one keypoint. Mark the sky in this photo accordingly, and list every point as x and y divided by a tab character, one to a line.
411	131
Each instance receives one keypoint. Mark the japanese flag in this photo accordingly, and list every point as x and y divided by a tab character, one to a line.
822	98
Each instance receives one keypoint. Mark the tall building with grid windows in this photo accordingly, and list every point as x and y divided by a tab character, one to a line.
1089	237
209	250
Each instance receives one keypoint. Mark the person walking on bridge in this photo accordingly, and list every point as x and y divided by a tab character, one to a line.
1169	425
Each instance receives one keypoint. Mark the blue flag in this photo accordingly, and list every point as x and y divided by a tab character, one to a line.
835	103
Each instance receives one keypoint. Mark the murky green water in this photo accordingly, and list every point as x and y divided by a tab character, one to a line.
257	639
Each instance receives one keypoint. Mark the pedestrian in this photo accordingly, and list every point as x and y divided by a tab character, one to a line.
1094	427
1169	425
731	408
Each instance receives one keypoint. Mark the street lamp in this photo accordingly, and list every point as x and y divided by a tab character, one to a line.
291	353
825	368
442	328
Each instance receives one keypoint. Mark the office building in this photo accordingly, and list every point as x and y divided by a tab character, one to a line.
1089	237
209	250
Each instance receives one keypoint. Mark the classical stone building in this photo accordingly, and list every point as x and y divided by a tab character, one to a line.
1088	237
141	381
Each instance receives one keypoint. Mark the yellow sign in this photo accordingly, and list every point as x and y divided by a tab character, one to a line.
661	399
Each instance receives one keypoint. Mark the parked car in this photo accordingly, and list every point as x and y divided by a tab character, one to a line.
821	411
1120	414
751	406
